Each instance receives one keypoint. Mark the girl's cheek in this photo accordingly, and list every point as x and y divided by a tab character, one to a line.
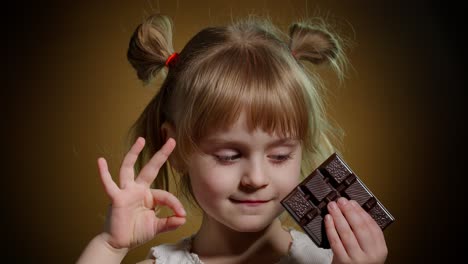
218	179
289	177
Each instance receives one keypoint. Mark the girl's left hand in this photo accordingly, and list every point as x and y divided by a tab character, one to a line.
354	236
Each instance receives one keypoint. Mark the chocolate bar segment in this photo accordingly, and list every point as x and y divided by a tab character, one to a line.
298	204
307	203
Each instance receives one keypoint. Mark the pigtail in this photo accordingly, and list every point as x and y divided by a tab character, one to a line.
150	46
317	44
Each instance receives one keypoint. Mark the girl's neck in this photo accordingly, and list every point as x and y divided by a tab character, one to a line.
215	242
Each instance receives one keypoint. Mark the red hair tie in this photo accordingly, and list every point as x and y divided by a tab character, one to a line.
172	59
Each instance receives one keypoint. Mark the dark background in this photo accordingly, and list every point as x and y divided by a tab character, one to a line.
70	97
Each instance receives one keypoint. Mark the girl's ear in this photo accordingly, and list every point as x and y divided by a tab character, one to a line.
168	131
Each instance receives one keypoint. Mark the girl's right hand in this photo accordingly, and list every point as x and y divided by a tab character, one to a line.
132	220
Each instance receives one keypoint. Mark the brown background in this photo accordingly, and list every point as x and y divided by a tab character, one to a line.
71	95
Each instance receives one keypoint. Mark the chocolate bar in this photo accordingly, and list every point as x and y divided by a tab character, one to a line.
307	203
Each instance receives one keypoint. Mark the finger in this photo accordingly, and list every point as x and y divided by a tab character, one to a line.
168	223
379	250
374	227
337	247
344	230
127	170
360	226
161	197
150	171
106	179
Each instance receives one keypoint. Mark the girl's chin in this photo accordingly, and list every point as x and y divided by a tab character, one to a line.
249	225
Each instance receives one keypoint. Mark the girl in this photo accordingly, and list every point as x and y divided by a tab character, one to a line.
247	117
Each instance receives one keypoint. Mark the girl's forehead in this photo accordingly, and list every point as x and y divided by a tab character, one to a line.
241	130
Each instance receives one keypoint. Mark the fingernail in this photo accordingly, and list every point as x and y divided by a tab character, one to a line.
342	201
354	203
328	218
183	212
332	206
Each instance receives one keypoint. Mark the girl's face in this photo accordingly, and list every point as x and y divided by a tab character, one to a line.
240	177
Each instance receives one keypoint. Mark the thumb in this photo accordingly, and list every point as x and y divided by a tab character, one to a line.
167	224
165	198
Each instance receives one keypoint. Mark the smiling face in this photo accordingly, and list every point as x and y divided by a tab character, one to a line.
239	176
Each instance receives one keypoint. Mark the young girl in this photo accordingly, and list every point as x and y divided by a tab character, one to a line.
248	118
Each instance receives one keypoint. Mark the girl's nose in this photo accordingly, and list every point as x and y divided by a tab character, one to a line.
255	175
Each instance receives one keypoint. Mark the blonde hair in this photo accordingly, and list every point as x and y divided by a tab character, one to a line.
247	67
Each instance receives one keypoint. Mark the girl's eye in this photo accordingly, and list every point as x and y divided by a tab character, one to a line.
280	158
225	158
228	158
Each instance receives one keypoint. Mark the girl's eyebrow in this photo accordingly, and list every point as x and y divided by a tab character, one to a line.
283	142
289	142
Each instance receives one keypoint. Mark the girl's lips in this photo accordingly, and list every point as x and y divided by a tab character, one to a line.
252	202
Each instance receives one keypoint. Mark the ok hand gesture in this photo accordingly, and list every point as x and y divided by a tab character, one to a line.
131	220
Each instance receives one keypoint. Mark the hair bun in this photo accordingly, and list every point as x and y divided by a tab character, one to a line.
150	46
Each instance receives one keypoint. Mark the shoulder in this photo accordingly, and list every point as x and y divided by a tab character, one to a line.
173	253
304	250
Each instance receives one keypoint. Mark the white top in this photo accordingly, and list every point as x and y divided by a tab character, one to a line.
303	250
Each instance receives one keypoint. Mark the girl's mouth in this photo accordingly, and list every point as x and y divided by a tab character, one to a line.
249	202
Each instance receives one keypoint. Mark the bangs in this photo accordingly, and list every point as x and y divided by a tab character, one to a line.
250	80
